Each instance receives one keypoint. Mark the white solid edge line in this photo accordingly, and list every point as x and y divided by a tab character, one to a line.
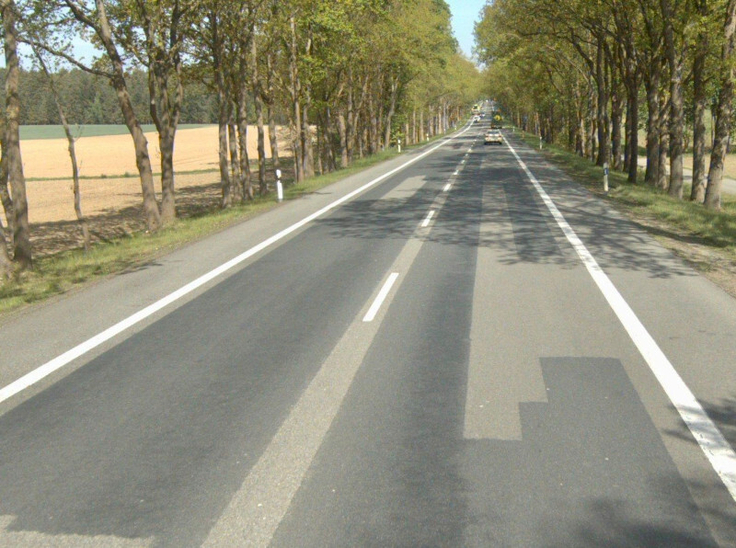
428	218
715	446
376	306
60	361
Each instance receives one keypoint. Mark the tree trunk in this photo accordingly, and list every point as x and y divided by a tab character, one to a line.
604	150
272	136
6	266
243	123
81	219
165	115
307	138
4	191
676	118
237	176
222	150
343	132
632	139
140	144
261	148
723	112
664	139
391	110
298	136
697	192
246	183
616	134
652	86
22	252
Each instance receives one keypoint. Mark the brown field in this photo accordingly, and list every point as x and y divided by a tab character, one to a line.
111	197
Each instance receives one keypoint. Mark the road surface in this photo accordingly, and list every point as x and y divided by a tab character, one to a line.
468	349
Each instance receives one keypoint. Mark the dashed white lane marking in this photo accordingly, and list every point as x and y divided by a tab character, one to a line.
447	188
60	361
715	446
257	508
428	218
376	306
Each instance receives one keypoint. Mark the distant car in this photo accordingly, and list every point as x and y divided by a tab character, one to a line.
493	136
476	118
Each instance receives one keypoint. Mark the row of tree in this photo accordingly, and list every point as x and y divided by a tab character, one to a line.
593	73
349	77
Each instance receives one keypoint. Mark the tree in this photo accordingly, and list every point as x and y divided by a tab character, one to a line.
723	110
12	164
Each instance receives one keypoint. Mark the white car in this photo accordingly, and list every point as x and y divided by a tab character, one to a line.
493	136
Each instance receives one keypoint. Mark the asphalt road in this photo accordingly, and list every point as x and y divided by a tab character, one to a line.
471	351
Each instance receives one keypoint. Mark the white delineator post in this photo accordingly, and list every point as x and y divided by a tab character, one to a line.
279	186
398	142
605	177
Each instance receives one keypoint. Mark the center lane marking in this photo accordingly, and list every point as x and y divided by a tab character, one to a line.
373	310
257	508
428	218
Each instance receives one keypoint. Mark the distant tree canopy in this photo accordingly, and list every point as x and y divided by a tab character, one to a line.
591	75
89	99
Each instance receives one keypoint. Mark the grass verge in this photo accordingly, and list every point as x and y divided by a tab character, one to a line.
705	238
64	271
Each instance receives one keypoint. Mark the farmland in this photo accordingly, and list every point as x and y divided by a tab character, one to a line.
110	187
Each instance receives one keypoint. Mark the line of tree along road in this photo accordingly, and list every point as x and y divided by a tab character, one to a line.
349	78
591	74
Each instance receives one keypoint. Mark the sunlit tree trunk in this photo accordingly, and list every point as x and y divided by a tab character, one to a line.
22	253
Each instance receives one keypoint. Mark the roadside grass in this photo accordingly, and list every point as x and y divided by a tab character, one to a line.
59	273
716	229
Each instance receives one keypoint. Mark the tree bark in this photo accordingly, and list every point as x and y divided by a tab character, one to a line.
298	136
616	134
632	139
258	98
394	84
270	101
4	191
700	99
652	87
237	178
140	143
677	109
723	112
343	133
81	219
223	119
604	150
22	251
6	265
664	139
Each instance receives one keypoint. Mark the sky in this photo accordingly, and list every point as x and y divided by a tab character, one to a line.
465	13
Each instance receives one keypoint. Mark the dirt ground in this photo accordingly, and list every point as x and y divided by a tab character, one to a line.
111	201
